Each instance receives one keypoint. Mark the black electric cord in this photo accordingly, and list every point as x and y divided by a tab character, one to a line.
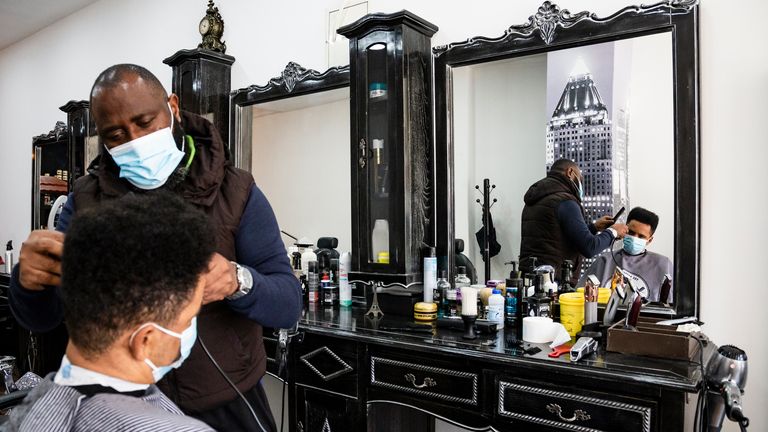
221	371
744	424
282	405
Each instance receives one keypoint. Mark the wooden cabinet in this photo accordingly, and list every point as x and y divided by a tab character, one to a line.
59	158
202	81
391	145
384	380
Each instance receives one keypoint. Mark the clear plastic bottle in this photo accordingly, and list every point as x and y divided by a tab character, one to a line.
496	308
441	291
461	281
307	256
380	240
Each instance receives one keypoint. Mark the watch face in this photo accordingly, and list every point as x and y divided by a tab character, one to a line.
205	25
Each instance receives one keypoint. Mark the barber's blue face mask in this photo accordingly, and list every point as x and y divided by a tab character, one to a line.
187	337
148	161
634	245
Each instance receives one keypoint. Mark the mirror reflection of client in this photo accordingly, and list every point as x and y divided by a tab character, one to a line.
645	268
554	226
131	291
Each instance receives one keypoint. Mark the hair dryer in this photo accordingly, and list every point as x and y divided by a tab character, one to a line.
726	378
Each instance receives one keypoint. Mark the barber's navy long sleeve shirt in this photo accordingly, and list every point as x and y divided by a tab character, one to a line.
583	237
274	300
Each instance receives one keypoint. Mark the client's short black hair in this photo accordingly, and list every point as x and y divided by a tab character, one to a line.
129	261
644	216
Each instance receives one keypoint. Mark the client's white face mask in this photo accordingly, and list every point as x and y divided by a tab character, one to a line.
148	161
187	337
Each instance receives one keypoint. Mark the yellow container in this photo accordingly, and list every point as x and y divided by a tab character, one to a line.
425	311
572	311
603	294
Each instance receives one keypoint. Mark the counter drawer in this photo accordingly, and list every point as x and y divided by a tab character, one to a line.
557	409
431	382
326	364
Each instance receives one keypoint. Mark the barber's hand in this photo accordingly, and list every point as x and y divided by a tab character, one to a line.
621	230
603	223
40	260
221	279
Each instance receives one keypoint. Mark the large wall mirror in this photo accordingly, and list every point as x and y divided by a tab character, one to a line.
292	134
618	95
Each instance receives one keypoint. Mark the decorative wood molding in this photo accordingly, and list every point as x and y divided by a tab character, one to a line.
59	130
549	18
292	75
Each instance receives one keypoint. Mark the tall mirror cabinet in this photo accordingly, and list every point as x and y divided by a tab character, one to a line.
391	145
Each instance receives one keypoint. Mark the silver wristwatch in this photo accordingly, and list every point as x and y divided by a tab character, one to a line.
244	282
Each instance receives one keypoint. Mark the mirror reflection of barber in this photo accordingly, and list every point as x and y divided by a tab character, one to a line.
645	269
554	226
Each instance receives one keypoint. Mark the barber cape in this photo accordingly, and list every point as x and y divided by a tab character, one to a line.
51	407
644	270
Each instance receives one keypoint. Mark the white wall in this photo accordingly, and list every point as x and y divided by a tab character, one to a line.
42	72
651	156
301	163
499	134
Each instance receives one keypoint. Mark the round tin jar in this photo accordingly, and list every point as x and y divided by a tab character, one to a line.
423	311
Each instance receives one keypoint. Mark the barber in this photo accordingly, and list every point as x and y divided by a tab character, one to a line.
149	145
554	225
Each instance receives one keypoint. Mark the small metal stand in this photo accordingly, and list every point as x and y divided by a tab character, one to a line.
375	310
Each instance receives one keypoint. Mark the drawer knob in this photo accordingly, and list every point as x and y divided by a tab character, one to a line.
577	415
428	382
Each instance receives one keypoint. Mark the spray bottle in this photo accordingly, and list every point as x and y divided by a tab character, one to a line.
430	274
345	291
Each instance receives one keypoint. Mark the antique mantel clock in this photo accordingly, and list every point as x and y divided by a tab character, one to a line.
212	28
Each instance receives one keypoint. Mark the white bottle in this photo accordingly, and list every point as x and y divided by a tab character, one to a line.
9	257
307	256
345	291
379	239
496	308
430	275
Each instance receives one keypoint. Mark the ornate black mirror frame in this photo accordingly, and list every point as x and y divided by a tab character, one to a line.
552	28
293	81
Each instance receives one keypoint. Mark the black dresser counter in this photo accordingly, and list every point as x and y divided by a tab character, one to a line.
350	372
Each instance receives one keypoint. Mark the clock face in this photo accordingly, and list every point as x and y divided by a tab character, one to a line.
205	26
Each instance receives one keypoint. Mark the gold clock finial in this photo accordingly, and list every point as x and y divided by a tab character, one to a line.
211	29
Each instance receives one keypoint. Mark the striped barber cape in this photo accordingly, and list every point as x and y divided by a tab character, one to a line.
51	407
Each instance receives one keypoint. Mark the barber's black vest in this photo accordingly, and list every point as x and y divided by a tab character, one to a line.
221	191
541	234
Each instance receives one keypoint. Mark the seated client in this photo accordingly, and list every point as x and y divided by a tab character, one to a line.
131	291
644	268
